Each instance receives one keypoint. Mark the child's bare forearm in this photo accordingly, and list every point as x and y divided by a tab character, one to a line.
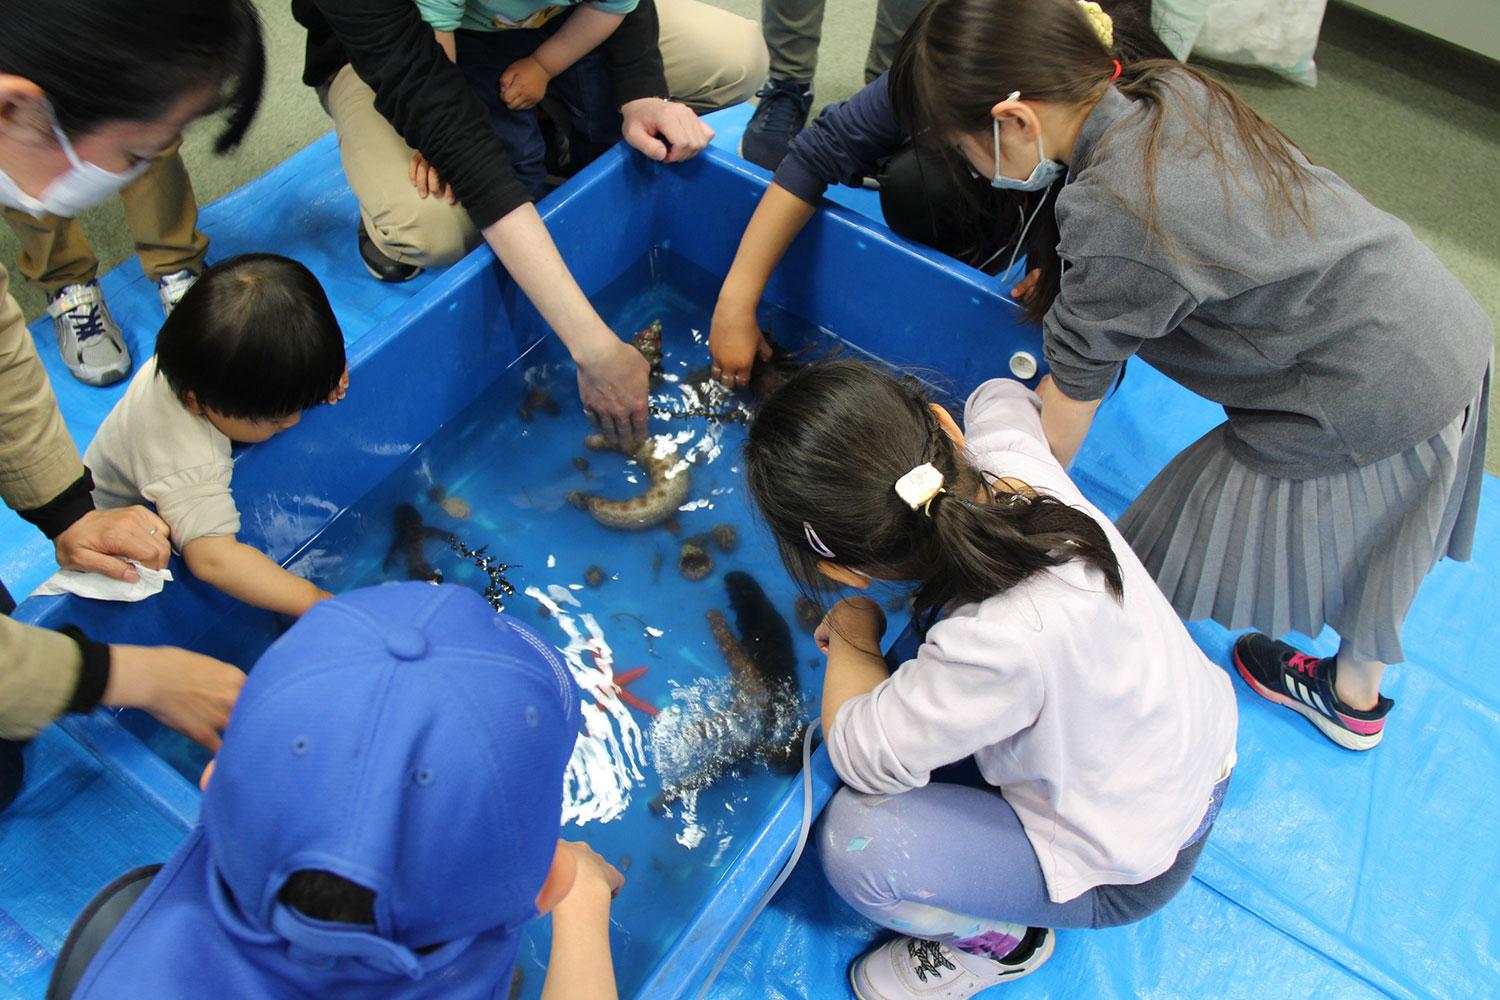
580	967
1065	421
247	574
446	43
583	32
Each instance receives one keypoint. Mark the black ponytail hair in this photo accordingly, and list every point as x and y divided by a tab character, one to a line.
825	451
253	339
1135	40
131	60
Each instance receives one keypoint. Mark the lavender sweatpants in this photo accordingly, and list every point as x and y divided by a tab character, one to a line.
950	862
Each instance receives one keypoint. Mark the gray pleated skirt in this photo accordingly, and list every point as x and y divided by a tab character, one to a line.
1348	550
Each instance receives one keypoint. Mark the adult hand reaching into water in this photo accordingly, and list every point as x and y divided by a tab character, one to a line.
186	691
614	382
665	131
102	540
735	340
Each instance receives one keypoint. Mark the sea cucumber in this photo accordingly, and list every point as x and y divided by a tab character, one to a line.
670	483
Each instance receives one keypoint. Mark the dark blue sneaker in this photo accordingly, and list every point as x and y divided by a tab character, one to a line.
783	110
1280	673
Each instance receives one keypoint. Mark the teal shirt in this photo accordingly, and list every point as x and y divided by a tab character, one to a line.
504	15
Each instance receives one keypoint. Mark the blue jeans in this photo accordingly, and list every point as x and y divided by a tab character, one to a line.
582	92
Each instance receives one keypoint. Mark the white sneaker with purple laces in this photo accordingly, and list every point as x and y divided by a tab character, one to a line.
88	338
170	288
907	968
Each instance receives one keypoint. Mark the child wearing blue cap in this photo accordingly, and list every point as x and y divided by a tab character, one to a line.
381	822
251	345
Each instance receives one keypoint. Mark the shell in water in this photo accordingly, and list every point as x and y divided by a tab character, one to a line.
455	507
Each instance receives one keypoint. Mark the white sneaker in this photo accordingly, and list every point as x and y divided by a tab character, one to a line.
170	288
88	338
908	968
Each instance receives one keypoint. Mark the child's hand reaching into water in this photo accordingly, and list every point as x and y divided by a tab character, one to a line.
855	621
735	340
523	84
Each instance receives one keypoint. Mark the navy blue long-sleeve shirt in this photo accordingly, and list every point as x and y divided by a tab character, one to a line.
846	143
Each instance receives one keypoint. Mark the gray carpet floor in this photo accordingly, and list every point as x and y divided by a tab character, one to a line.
1413	123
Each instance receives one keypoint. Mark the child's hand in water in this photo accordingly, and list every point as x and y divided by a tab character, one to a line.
523	84
596	877
735	340
857	621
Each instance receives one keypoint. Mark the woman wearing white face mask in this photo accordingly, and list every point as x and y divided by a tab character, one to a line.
72	133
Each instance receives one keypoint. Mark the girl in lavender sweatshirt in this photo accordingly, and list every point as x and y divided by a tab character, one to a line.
1102	737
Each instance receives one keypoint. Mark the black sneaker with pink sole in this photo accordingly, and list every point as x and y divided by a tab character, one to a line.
1281	673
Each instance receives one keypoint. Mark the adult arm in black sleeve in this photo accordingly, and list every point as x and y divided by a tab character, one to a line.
633	53
428	101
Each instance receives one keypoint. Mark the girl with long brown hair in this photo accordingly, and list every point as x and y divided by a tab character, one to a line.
1353	368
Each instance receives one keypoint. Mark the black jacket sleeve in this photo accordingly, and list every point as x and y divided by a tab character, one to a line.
634	56
428	101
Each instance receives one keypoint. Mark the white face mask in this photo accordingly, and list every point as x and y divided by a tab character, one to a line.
82	186
1042	176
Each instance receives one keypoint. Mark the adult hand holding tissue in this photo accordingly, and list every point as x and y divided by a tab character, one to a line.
115	543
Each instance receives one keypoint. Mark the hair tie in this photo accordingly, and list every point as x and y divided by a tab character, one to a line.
918	487
1116	74
1102	23
815	543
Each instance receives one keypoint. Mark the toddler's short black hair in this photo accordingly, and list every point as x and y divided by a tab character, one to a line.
253	339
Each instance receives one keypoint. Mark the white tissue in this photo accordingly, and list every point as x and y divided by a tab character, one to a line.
106	588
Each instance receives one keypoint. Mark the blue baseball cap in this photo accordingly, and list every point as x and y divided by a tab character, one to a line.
404	737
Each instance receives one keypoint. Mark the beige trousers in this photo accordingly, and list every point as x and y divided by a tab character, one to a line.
163	216
713	59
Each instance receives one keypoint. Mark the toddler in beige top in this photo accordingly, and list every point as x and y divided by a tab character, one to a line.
249	347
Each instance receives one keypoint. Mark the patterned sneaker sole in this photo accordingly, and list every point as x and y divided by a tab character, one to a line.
1346	738
1038	959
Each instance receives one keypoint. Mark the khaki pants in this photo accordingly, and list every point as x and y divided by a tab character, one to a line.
794	28
713	59
163	216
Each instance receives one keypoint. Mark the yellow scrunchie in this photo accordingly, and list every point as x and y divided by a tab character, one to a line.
1102	23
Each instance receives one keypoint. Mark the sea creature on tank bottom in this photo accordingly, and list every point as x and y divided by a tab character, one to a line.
670	484
648	341
763	718
538	400
594	576
726	537
693	561
456	507
409	545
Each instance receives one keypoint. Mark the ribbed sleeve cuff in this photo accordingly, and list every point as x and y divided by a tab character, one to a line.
93	672
59	514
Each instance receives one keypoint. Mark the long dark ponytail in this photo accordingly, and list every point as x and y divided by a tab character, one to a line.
824	454
962	56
